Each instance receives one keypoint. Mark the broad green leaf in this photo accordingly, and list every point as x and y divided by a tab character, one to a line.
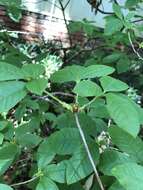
79	166
127	143
110	84
7	154
112	58
32	71
9	72
113	25
5	187
123	112
77	73
28	140
46	184
1	138
117	10
87	88
129	175
94	71
65	141
116	186
3	124
37	86
121	66
98	109
56	172
67	120
112	158
69	73
10	94
131	3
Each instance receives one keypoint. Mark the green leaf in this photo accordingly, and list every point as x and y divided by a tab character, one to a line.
14	13
28	140
129	175
1	138
14	3
46	183
5	187
112	58
127	143
117	10
79	166
33	71
3	124
112	158
63	142
9	72
123	112
116	186
87	88
98	109
94	71
131	3
113	25
37	86
69	73
110	84
76	73
7	154
10	94
56	172
67	120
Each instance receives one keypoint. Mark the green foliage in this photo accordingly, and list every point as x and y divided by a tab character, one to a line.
47	102
13	9
118	107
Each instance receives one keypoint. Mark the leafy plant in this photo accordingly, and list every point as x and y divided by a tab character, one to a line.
75	126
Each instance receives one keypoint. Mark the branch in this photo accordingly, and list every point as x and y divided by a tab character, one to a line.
67	4
104	12
88	152
65	20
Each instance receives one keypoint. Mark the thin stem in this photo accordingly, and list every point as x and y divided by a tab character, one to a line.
133	47
63	94
89	103
25	182
64	104
88	151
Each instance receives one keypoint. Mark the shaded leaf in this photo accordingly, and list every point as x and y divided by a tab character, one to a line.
9	72
10	94
123	113
112	158
127	143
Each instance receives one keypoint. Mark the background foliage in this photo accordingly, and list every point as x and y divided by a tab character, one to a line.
47	95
